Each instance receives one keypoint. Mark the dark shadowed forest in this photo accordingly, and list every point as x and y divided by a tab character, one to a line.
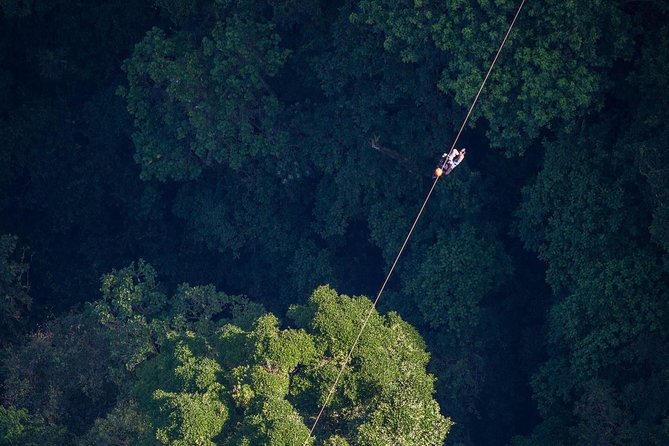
191	216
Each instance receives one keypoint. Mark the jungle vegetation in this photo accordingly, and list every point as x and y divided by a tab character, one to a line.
191	216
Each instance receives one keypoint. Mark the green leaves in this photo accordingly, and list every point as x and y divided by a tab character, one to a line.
281	349
65	365
252	122
132	291
587	218
257	386
179	373
454	276
191	411
572	215
548	75
203	99
18	427
386	377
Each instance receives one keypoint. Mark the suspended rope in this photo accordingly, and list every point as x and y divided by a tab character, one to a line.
408	236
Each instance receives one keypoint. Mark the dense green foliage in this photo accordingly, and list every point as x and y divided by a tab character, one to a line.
201	367
227	143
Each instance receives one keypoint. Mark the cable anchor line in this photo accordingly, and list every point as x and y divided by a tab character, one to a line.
408	236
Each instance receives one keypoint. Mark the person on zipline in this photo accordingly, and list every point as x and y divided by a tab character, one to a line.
448	162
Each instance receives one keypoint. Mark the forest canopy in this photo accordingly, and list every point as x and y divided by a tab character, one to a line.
227	143
202	367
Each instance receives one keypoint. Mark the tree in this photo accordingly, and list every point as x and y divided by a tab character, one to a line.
18	427
202	367
551	70
610	292
188	407
122	426
249	124
446	291
71	371
200	97
61	373
255	386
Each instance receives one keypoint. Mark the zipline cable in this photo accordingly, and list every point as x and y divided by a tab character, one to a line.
406	240
369	313
499	50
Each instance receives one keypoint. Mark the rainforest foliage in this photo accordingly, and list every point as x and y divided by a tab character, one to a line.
227	143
